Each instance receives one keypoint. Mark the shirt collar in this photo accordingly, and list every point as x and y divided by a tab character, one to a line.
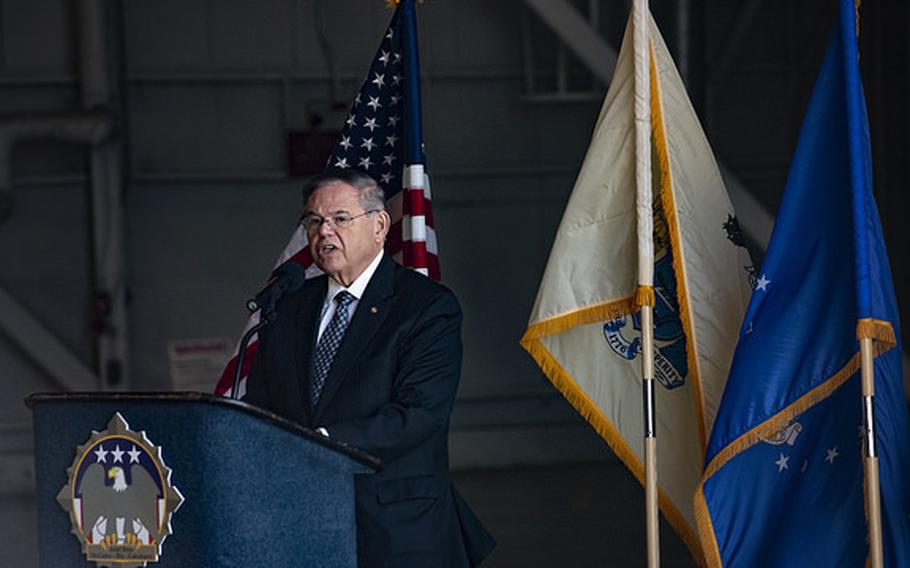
358	286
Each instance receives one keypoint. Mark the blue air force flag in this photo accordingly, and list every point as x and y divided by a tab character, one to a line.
783	484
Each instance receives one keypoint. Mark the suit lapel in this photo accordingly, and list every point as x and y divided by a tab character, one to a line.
306	327
371	311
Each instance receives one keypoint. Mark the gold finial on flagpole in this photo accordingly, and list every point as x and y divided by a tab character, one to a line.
393	3
856	4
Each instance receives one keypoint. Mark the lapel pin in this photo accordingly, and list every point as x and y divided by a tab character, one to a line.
374	310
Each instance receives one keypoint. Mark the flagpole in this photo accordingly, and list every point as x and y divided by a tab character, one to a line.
651	503
867	357
645	293
873	495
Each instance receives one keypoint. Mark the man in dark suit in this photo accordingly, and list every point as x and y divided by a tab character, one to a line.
370	354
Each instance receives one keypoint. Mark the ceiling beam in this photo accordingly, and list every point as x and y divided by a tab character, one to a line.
578	35
30	335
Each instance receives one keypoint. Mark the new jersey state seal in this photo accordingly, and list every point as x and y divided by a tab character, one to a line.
119	497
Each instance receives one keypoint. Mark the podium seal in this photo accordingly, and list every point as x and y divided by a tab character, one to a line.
119	497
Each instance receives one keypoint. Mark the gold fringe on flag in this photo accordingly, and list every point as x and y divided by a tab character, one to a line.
644	296
856	3
659	132
877	330
592	314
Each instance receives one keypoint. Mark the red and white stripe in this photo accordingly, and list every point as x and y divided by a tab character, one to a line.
412	239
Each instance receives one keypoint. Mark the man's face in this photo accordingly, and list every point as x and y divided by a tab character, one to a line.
344	252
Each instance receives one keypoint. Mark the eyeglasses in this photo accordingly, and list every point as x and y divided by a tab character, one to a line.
311	222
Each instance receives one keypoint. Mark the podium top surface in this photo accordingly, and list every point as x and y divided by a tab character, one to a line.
206	399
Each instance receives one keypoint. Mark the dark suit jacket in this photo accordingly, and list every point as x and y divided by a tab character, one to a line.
390	392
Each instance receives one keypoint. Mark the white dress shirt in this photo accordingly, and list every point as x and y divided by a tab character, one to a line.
356	289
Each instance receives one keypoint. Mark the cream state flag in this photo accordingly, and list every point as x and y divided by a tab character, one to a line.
584	330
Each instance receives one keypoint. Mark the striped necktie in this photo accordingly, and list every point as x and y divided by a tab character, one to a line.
329	342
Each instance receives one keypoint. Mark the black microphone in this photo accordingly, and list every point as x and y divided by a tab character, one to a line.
289	277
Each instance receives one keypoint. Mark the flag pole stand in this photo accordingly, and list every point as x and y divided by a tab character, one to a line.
652	510
873	494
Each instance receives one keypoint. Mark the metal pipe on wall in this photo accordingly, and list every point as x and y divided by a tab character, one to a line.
93	57
92	127
682	39
83	128
107	206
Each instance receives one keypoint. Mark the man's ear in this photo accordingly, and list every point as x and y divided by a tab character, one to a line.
383	222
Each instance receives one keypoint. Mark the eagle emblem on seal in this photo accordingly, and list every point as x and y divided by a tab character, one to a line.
119	497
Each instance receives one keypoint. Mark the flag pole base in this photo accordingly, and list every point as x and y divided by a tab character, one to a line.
652	508
873	494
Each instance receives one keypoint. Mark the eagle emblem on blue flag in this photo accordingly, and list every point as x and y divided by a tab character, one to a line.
119	497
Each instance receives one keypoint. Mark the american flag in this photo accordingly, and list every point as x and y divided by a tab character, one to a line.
382	137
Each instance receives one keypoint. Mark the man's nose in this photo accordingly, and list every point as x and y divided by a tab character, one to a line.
326	227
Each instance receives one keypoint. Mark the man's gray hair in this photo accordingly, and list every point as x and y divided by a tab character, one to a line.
370	194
